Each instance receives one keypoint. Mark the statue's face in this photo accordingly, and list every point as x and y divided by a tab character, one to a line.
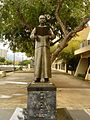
42	19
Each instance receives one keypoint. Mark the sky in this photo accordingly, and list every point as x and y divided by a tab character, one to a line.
10	55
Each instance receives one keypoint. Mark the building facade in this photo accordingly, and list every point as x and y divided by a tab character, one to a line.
59	65
83	67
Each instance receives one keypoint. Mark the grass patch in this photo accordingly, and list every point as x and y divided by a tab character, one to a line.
81	75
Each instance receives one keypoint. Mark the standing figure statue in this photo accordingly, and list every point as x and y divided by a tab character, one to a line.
42	35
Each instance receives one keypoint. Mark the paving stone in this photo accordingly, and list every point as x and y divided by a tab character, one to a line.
5	114
79	115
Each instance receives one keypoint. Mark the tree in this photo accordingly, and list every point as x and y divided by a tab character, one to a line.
70	59
18	17
25	62
5	61
77	15
67	54
2	60
8	62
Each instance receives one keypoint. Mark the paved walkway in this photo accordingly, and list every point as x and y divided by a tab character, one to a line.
63	80
71	92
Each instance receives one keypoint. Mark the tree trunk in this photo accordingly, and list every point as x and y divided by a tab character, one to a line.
67	35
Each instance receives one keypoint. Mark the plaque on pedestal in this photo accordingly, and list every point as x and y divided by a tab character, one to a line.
41	103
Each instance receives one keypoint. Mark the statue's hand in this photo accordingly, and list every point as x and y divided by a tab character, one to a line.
36	38
50	37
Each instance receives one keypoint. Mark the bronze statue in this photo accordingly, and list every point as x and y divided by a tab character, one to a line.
42	35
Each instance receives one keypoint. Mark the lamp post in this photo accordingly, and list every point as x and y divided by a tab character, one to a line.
14	50
13	61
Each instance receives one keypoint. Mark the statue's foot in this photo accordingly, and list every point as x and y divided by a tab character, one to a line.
37	80
46	79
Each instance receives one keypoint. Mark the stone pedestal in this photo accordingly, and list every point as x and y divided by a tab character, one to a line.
41	103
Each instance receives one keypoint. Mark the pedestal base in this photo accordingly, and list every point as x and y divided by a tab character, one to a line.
62	114
41	103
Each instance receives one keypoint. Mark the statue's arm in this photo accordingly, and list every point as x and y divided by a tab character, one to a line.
32	36
52	35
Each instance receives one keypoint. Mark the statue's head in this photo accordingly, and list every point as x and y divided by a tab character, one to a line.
42	19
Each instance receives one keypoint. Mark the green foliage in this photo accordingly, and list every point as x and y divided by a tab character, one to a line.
2	60
25	62
8	62
72	12
81	75
67	54
18	17
70	59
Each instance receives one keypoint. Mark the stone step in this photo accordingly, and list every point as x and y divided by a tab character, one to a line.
66	114
5	114
62	114
79	115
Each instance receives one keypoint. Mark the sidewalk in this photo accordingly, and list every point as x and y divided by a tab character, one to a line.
63	80
71	92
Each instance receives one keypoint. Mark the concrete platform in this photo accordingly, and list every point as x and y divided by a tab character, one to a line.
65	114
62	114
5	114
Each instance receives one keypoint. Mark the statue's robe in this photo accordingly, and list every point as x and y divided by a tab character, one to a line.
42	51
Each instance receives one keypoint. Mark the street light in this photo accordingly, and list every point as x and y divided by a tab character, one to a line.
14	50
13	61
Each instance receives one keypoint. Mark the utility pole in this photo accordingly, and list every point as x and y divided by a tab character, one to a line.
13	61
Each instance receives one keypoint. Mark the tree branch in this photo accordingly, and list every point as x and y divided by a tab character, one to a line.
60	47
80	27
22	19
70	35
59	5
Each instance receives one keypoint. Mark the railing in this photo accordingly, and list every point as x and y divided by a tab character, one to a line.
85	43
